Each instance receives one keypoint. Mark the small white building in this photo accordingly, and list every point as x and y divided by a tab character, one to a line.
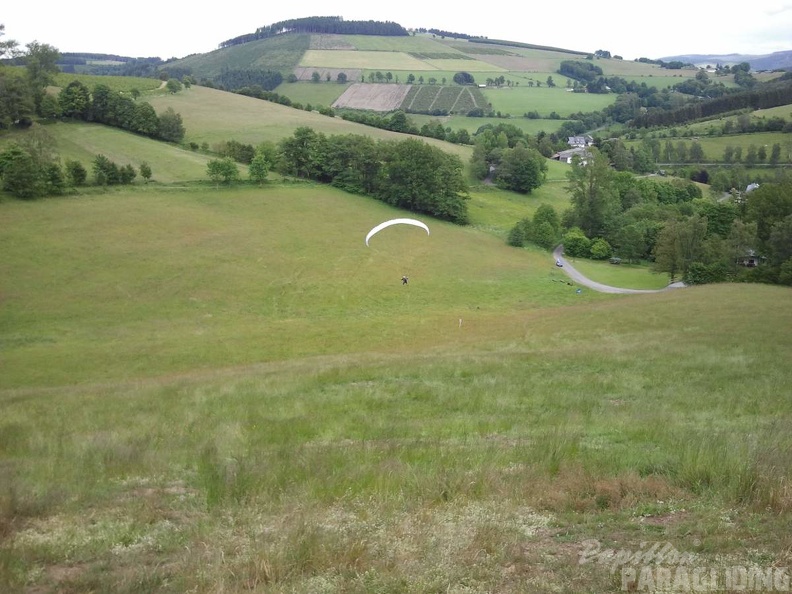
568	155
580	141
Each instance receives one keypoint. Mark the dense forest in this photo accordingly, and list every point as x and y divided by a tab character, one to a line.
336	25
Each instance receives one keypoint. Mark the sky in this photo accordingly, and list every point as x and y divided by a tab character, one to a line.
168	29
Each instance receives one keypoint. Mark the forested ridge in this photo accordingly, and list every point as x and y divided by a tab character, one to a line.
326	25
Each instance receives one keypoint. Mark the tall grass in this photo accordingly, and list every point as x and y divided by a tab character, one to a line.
226	390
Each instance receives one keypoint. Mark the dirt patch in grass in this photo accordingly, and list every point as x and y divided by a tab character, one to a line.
385	97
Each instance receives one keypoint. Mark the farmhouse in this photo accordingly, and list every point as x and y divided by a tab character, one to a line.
568	155
580	141
750	260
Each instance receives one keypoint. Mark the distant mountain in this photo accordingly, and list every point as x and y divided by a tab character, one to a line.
774	61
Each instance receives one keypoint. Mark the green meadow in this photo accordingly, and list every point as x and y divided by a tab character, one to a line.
529	126
310	93
228	391
519	100
224	390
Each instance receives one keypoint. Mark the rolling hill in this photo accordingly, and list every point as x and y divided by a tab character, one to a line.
223	389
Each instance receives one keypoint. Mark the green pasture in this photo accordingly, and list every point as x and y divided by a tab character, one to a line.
316	94
210	389
631	68
530	127
519	100
714	127
497	211
83	142
213	116
122	84
243	266
227	390
713	146
631	276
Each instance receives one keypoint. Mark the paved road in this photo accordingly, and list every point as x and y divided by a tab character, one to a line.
576	276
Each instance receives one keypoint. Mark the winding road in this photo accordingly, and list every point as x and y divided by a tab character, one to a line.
576	276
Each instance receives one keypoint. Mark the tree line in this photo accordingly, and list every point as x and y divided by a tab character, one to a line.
329	25
671	224
104	106
408	174
771	94
30	168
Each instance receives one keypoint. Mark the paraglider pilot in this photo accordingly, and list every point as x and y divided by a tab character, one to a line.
404	280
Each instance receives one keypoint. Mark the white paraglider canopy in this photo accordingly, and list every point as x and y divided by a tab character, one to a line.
382	226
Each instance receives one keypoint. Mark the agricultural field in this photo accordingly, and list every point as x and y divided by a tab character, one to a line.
363	60
212	116
383	97
459	122
281	54
520	100
455	99
322	93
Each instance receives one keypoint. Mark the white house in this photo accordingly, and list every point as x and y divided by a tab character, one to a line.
568	155
580	141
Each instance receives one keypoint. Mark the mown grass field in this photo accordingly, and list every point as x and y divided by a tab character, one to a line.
315	94
528	126
520	100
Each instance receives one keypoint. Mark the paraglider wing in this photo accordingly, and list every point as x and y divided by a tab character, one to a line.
382	226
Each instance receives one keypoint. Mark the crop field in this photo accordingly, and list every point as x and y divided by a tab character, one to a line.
519	100
468	65
281	53
377	97
370	60
425	98
413	43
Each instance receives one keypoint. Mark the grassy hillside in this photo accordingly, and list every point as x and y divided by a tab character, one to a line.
238	368
212	116
226	390
423	56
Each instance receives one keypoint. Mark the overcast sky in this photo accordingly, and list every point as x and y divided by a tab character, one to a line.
167	29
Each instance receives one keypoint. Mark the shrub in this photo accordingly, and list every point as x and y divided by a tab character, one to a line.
600	249
576	244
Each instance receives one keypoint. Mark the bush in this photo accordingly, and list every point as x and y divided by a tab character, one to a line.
600	249
576	244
